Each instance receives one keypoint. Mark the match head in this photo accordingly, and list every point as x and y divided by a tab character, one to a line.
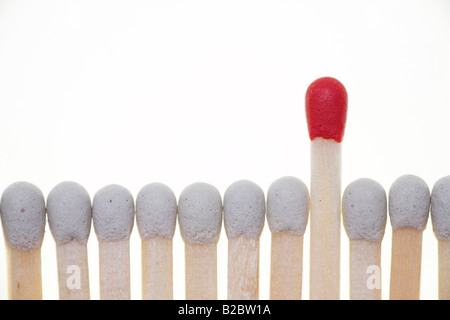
288	206
113	213
326	109
69	213
440	208
156	211
23	216
409	203
244	210
364	210
200	213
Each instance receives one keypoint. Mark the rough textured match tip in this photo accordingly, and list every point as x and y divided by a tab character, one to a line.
113	213
200	213
69	213
288	206
409	203
244	210
440	208
156	211
364	210
23	216
326	109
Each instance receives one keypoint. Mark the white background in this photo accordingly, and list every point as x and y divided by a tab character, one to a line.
180	91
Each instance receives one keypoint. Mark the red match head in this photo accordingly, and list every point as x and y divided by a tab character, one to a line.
326	109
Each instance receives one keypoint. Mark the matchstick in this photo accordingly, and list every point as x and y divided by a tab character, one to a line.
326	113
23	218
364	211
156	213
200	220
287	216
244	213
440	217
69	218
113	217
409	204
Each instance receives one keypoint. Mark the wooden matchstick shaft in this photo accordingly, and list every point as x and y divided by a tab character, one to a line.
201	271
325	219
365	270
243	268
405	264
286	266
73	271
157	269
114	270
444	269
24	274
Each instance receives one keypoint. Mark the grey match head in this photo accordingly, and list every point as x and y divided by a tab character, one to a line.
113	213
156	211
364	210
69	213
244	209
200	213
440	208
409	203
288	206
23	216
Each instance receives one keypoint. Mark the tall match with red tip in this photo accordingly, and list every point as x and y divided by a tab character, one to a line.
326	114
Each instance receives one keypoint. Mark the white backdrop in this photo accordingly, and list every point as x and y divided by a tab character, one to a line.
180	91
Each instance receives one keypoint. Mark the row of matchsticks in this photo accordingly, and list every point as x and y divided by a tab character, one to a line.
201	211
